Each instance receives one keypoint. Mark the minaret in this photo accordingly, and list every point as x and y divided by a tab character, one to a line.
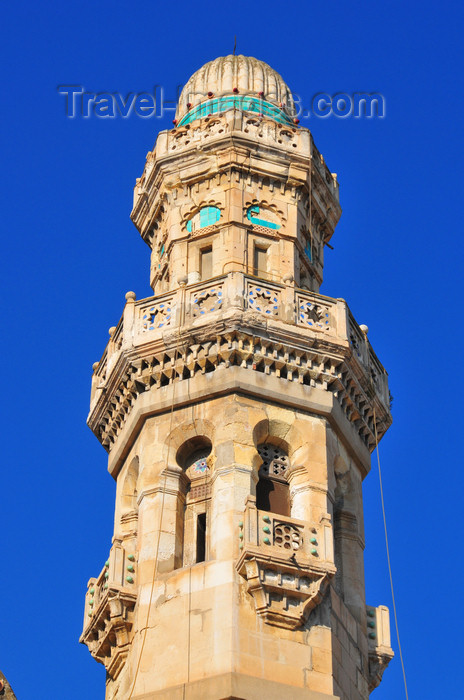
239	408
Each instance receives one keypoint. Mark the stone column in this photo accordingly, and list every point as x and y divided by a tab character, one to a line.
161	519
234	477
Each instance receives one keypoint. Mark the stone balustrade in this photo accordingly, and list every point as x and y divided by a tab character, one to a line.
191	305
266	326
109	605
286	562
286	535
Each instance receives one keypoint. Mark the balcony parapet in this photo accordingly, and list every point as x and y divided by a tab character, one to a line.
379	643
287	564
264	326
109	606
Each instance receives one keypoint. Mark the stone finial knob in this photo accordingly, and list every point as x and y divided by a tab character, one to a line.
130	296
95	366
364	329
182	281
111	330
288	278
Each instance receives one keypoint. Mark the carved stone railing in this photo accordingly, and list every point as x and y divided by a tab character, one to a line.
366	357
114	344
109	606
239	319
379	643
153	316
286	562
99	377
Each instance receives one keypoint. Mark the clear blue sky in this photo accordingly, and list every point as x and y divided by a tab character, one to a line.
71	253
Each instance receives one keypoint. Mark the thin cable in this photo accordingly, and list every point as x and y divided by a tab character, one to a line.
155	566
189	625
311	197
388	555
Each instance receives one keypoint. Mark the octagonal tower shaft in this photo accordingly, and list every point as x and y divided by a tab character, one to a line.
237	406
273	203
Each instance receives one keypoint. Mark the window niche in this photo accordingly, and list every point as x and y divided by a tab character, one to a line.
128	499
206	262
194	518
207	216
272	489
259	260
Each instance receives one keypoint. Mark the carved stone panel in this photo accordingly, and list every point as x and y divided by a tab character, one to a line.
284	594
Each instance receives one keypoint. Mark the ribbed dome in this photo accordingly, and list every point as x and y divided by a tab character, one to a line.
248	75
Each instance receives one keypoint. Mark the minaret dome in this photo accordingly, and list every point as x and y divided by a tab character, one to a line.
241	77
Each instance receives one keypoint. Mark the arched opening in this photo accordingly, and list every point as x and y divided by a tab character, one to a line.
272	491
193	456
128	497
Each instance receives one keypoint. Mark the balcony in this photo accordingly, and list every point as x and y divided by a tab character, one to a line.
379	644
109	606
287	564
236	319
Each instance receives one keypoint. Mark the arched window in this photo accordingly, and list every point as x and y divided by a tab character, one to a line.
192	456
207	216
272	492
128	496
262	217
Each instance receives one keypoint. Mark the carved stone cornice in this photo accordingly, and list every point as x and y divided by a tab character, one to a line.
281	343
107	633
286	564
109	607
284	594
378	662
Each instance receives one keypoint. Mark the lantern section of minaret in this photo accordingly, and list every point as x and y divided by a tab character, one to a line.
239	408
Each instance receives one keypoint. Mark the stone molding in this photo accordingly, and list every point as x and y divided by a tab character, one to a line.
235	686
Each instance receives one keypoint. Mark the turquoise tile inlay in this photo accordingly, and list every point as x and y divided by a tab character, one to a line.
205	217
242	102
260	222
307	251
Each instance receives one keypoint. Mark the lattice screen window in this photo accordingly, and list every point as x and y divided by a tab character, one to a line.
275	461
272	492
